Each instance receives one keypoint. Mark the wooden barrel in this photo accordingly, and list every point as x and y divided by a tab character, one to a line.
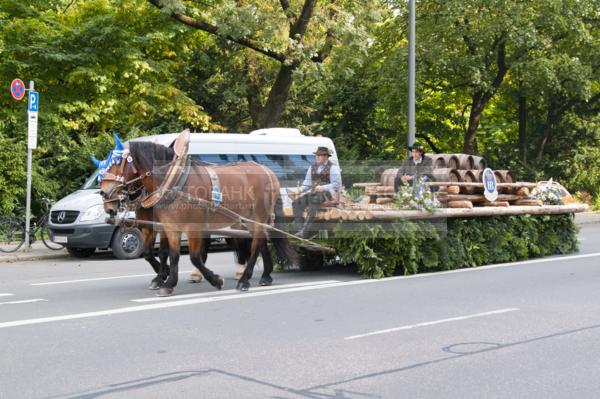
446	175
437	160
477	177
467	176
479	163
504	176
388	176
465	161
449	161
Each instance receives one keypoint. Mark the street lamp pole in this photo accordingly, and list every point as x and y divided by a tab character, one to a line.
411	71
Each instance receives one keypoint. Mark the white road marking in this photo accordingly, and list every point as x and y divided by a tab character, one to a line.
228	292
86	280
431	323
24	301
163	305
6	294
252	294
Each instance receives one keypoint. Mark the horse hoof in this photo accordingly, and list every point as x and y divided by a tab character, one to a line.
165	291
265	281
154	286
243	286
220	282
194	280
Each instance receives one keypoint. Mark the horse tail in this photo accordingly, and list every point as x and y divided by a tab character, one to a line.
283	248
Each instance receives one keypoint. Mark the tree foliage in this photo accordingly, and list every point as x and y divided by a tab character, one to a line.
517	82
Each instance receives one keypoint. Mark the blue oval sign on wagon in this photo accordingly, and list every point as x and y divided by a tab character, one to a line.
489	185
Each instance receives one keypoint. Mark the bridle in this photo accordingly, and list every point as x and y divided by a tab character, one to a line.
124	190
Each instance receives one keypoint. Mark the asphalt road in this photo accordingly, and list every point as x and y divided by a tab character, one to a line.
91	329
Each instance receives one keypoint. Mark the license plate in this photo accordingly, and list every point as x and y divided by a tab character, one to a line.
60	239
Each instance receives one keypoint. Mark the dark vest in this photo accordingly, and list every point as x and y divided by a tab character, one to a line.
320	179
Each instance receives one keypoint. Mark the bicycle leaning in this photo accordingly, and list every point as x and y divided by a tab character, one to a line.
12	230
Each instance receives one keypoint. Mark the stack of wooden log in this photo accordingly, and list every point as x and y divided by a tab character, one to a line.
459	179
378	194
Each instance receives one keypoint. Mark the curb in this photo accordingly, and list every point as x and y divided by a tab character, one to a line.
24	256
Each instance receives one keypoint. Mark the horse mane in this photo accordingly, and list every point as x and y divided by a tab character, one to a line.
146	154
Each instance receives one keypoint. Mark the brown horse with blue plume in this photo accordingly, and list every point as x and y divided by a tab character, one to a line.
196	199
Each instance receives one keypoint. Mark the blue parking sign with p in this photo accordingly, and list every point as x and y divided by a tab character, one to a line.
34	98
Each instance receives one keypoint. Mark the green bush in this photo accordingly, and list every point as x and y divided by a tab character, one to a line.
409	247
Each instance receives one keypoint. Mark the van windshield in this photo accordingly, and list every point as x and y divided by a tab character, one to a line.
92	182
288	168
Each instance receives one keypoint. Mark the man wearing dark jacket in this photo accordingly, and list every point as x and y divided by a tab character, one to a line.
416	166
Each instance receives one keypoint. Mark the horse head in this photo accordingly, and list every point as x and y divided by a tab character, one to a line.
118	177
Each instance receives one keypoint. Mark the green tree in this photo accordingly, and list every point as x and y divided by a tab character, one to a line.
288	37
100	66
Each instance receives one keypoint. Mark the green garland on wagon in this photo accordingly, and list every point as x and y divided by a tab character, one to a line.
410	247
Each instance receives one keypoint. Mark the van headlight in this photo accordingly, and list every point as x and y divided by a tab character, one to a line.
93	213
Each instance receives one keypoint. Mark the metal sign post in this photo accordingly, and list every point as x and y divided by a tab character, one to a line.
411	71
32	125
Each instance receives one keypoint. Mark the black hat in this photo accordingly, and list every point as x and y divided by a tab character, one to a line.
323	151
416	146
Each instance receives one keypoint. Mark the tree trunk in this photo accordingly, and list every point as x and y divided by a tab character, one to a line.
546	132
277	97
470	139
522	128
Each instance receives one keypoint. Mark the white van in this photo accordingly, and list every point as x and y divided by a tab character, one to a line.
78	219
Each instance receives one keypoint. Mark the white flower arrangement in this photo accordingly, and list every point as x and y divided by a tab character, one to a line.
417	197
549	194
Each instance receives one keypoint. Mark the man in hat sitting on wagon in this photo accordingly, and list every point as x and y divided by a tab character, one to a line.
322	183
415	167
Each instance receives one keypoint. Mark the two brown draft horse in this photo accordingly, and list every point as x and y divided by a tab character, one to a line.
248	189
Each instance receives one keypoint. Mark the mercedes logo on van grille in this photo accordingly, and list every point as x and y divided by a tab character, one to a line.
61	217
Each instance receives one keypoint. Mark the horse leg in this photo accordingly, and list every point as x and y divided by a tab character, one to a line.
244	282
195	275
163	256
148	237
197	256
168	287
241	251
266	278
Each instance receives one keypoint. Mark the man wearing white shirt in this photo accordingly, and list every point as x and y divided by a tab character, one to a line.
322	183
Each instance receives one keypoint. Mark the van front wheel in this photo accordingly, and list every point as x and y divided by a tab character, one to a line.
127	243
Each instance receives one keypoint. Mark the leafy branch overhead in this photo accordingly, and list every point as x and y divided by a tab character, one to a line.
292	33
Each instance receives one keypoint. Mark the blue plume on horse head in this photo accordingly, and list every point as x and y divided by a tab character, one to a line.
95	161
118	144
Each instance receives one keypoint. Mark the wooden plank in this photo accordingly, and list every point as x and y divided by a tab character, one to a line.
473	184
391	215
460	204
364	185
495	203
478	197
384	200
529	202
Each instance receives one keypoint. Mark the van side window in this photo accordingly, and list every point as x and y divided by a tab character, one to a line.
289	169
